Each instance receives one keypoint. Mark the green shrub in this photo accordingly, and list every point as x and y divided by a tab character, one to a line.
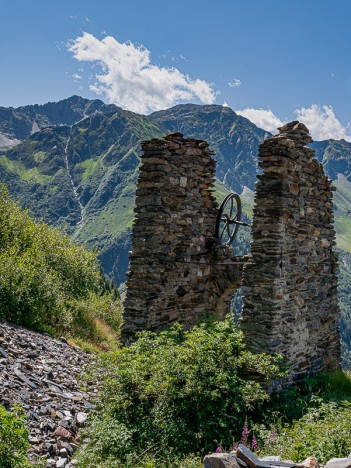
13	439
174	393
46	281
324	431
40	269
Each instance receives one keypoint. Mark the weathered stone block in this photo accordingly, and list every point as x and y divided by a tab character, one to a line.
221	460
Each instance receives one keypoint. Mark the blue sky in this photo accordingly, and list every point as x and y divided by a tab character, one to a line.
271	60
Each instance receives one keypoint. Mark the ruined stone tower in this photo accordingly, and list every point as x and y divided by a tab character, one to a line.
290	288
178	271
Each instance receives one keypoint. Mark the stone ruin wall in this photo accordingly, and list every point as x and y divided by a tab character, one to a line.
290	288
178	272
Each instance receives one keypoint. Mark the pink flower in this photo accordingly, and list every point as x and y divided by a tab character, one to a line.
254	443
245	433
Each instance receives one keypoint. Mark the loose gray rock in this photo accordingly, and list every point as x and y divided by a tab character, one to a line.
41	374
339	463
81	418
221	460
61	462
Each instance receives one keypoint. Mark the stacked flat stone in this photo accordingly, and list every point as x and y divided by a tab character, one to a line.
178	272
42	374
290	288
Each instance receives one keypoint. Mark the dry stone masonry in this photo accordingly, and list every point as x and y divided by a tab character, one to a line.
178	271
290	288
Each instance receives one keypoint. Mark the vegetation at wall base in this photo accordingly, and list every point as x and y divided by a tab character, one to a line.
48	283
324	432
173	394
314	421
171	398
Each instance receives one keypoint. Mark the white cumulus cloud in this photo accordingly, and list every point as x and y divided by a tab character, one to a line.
323	123
263	118
320	120
127	77
234	83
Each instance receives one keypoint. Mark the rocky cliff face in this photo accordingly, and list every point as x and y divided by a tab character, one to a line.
19	123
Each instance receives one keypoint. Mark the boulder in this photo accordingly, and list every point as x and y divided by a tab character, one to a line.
221	460
339	463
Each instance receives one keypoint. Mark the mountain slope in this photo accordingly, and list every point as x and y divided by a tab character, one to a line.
83	178
82	175
335	155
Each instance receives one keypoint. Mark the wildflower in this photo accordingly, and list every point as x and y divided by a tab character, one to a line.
254	443
234	446
245	433
219	449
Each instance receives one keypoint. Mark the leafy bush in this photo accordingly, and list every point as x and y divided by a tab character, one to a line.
174	393
13	439
324	431
45	278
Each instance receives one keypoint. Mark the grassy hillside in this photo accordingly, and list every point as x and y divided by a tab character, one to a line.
50	284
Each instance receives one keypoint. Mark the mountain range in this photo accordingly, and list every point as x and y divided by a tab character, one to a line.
74	164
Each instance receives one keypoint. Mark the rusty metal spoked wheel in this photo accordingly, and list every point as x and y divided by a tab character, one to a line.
228	219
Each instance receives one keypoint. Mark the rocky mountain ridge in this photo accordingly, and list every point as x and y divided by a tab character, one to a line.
82	176
19	123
